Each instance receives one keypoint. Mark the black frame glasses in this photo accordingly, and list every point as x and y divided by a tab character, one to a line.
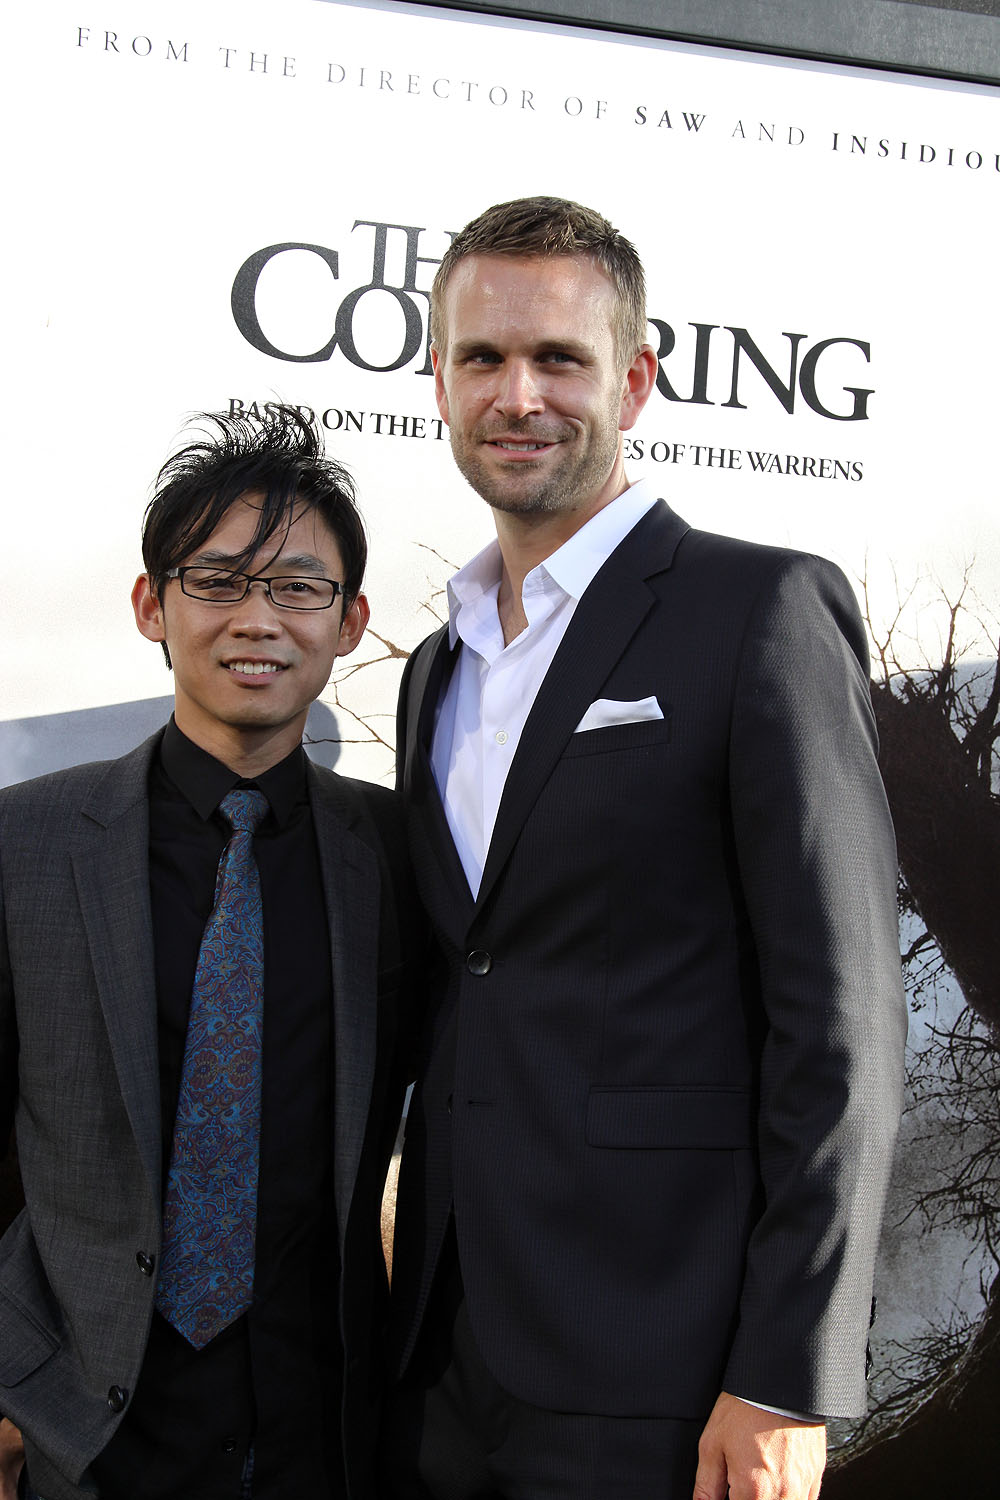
207	572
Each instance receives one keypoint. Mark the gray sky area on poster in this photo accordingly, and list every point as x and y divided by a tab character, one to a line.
51	742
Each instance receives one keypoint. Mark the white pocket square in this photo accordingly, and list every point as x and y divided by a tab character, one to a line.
605	712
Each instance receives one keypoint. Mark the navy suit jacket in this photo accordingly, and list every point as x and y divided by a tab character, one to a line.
661	1085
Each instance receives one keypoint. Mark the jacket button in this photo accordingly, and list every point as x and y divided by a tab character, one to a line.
479	962
117	1398
144	1262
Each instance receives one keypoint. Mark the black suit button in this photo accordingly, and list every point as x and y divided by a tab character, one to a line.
117	1398
144	1262
479	962
229	1445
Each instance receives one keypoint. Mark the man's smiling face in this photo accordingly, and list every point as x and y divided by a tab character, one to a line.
531	384
245	674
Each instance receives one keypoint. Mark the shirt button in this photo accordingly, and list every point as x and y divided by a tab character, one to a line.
479	962
117	1398
144	1262
501	736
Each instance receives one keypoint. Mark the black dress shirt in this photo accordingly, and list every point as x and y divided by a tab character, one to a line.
271	1380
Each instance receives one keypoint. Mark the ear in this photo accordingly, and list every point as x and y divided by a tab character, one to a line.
352	626
148	610
640	378
440	394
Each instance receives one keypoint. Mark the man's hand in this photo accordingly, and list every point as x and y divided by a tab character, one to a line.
11	1459
749	1454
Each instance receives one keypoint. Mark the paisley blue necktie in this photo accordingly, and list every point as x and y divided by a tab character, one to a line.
210	1206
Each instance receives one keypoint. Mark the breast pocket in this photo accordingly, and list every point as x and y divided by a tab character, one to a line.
640	736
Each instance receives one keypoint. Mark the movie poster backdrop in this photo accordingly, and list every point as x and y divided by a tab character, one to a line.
220	206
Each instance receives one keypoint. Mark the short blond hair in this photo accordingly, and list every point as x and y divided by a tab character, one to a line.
535	228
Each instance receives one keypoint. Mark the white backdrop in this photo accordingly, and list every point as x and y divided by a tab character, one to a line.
160	146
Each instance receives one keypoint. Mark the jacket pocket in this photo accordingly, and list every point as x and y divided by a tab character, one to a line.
640	735
24	1343
685	1118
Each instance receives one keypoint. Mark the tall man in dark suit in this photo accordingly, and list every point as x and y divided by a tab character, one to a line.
203	949
645	1167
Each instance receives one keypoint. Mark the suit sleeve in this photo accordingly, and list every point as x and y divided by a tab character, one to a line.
816	856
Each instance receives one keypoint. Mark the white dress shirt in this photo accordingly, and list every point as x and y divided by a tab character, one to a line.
492	689
490	693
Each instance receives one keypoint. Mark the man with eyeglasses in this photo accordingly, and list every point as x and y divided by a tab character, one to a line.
204	959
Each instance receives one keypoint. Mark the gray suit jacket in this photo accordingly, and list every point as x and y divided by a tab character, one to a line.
79	1076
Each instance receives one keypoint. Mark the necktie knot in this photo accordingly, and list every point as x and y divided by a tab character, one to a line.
244	809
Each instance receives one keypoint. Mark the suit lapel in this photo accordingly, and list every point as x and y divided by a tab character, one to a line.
432	662
606	619
432	849
351	888
111	868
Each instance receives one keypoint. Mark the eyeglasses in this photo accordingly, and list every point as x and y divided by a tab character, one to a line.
216	586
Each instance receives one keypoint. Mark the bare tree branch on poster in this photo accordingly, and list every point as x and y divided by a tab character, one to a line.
935	1396
366	722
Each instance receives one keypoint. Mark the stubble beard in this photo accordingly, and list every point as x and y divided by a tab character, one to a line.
575	479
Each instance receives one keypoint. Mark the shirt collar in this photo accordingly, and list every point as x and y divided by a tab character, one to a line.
572	567
204	781
474	587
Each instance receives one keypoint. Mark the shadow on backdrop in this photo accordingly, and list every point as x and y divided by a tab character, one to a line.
51	742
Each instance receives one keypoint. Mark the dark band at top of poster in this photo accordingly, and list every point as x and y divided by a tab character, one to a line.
951	39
